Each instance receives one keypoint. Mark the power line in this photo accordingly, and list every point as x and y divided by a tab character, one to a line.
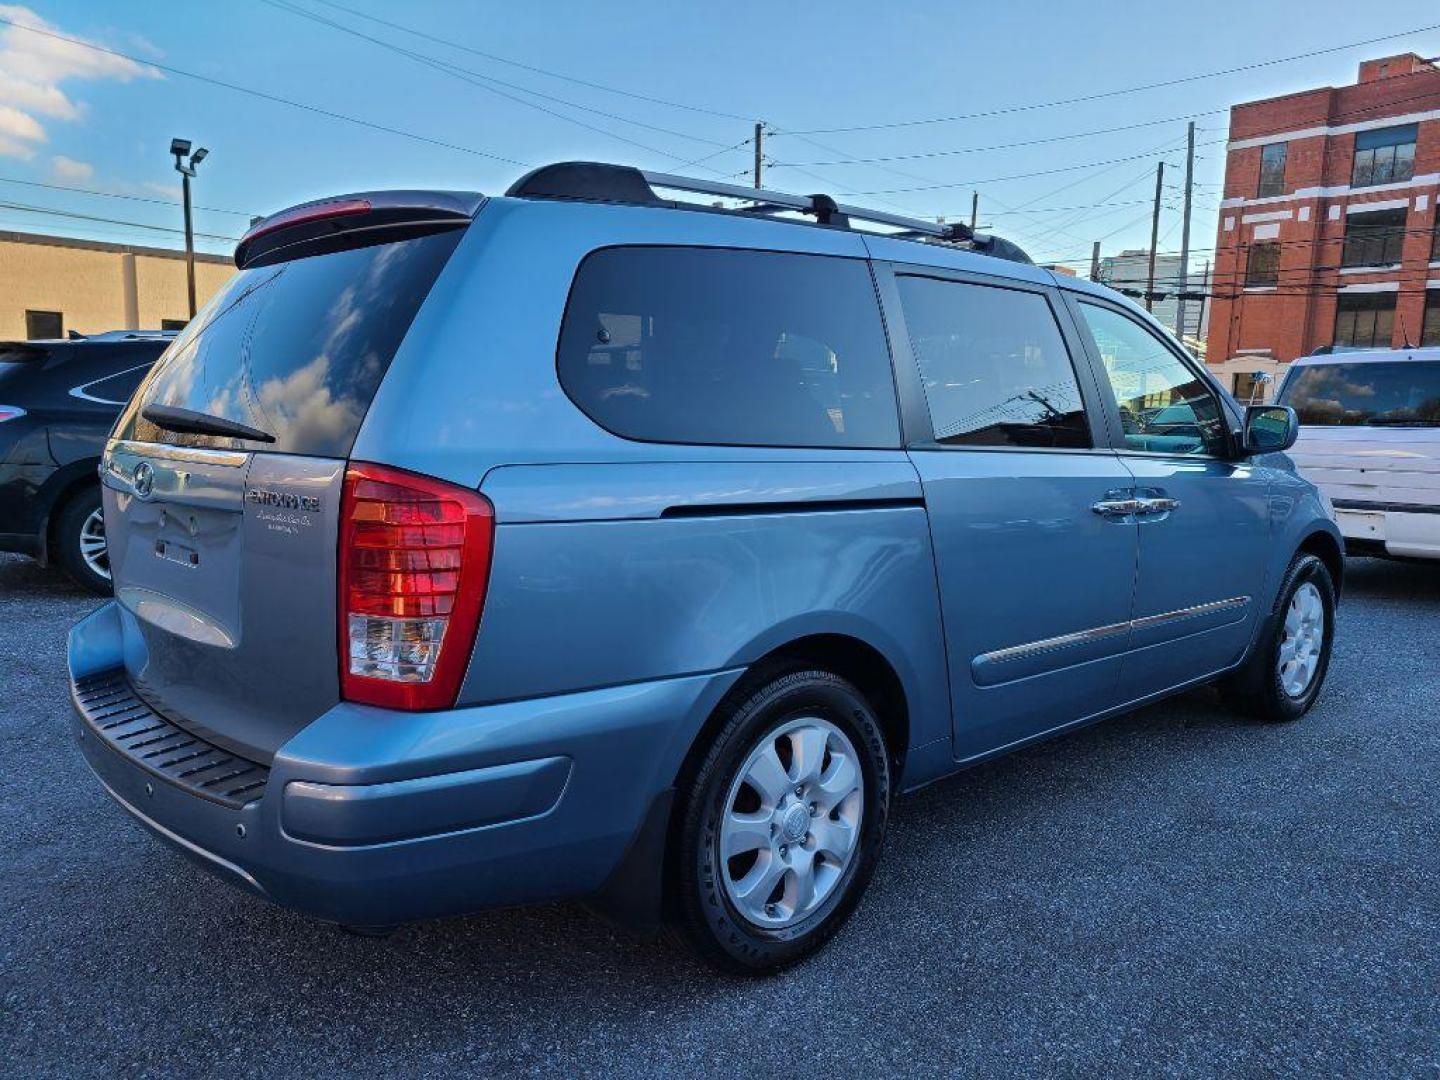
537	70
1015	176
263	95
1105	94
931	154
485	82
1294	242
108	221
247	214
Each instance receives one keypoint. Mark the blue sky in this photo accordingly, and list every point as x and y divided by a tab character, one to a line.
73	118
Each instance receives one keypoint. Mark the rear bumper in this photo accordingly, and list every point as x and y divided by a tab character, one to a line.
1382	529
375	817
25	496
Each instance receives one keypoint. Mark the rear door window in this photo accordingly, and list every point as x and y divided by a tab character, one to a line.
994	365
727	347
296	349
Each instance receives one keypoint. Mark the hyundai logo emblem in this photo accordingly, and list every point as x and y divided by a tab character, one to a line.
144	479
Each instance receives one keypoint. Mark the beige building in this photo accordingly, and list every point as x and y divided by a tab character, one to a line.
51	285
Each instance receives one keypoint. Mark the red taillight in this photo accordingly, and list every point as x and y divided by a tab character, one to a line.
302	215
10	412
414	564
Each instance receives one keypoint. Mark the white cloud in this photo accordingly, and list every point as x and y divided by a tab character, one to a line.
19	131
32	67
67	168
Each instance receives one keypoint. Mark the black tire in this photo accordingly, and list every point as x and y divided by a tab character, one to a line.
707	920
69	526
1257	689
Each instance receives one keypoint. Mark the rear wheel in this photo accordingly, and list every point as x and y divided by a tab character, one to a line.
80	541
1282	678
781	826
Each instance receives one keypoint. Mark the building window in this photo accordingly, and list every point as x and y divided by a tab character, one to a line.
173	324
1262	265
1272	170
1430	334
1374	238
43	325
1435	242
1364	320
1384	156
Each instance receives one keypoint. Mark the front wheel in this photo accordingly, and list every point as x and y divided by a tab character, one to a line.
1282	678
781	825
80	547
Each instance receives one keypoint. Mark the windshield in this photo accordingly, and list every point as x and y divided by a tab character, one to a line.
1386	393
296	350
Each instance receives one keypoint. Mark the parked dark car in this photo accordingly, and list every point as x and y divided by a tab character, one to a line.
58	401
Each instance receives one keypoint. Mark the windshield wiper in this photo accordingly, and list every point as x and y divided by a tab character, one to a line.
190	422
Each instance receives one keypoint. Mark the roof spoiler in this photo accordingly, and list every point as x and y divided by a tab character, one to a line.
349	221
591	181
21	352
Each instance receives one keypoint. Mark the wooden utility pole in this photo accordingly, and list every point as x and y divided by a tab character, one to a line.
974	210
1154	236
1185	234
759	149
1095	261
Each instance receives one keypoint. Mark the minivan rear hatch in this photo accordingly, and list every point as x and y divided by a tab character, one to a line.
223	479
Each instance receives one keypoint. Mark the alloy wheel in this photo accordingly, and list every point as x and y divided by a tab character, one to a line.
1303	640
791	822
92	543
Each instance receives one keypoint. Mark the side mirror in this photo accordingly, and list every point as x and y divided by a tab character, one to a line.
1270	428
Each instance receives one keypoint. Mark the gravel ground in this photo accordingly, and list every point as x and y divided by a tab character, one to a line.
1172	893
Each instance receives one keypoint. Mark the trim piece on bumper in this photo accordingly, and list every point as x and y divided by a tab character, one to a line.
1386	507
224	865
362	814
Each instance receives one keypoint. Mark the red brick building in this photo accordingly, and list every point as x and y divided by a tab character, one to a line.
1327	233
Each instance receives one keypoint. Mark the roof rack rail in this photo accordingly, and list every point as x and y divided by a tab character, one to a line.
590	181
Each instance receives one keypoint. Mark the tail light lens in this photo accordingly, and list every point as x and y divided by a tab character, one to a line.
10	412
414	565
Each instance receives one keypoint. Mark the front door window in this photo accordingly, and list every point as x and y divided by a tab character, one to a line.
1164	406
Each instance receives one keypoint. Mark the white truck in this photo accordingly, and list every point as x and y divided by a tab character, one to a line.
1370	440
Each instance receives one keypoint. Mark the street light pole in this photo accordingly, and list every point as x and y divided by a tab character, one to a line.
181	149
189	244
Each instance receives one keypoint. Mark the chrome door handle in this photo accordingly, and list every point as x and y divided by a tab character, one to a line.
1162	505
1117	507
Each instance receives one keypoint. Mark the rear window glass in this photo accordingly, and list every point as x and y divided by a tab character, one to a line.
1405	393
297	349
697	345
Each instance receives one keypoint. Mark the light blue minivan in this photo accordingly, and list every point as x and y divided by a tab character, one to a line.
598	542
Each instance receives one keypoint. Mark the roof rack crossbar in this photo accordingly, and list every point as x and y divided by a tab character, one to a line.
805	204
593	181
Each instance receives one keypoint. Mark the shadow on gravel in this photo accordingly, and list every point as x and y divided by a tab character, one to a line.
1387	579
24	577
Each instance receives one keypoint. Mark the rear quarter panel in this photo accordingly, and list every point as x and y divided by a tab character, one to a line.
591	586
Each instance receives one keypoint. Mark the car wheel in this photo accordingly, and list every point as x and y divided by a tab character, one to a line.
781	824
1283	677
80	542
